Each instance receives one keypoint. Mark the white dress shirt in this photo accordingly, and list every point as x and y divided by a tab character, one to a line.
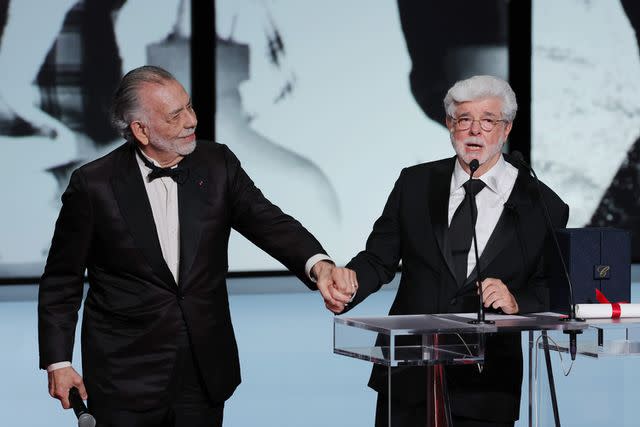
163	197
499	181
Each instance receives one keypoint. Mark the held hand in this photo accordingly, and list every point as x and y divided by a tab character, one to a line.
61	381
345	284
333	299
345	281
496	294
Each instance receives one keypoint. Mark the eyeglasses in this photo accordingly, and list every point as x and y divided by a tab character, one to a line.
487	125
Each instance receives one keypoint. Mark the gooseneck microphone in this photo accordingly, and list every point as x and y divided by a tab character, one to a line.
573	347
473	166
85	419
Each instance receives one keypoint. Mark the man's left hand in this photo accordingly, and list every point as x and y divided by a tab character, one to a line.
496	294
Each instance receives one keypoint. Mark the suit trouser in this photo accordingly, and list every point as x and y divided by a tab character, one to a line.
414	415
188	406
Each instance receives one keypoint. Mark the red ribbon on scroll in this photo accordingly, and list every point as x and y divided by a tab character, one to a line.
615	306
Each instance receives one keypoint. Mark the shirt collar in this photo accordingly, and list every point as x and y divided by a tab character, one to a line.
493	178
142	164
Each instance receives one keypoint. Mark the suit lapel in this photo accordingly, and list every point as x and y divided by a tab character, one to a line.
439	209
506	228
192	204
135	208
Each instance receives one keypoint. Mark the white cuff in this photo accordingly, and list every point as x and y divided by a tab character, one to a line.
58	365
313	261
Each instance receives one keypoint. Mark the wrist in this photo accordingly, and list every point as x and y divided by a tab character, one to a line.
311	263
320	267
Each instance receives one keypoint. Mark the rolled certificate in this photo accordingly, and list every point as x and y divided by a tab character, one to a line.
607	311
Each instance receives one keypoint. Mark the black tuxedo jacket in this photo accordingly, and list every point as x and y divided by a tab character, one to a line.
413	229
134	309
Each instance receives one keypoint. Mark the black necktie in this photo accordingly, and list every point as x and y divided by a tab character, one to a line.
178	174
461	231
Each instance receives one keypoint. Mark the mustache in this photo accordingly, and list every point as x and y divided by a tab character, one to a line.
187	133
473	140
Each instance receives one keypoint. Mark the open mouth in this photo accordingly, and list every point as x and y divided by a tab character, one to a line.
472	146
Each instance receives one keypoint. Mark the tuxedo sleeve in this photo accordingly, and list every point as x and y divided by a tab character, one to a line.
378	263
61	285
265	225
534	297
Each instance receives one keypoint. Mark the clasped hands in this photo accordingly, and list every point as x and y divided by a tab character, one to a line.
337	285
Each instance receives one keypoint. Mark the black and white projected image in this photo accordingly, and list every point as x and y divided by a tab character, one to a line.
620	204
586	114
325	104
60	61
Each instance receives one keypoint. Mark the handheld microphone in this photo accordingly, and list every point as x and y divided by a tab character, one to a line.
473	166
85	419
573	347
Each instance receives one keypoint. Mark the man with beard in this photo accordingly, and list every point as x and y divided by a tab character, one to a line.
150	222
426	224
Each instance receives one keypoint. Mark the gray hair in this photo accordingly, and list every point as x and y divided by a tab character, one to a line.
125	105
478	87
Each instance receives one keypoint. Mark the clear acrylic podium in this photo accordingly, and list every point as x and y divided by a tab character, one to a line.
435	340
606	348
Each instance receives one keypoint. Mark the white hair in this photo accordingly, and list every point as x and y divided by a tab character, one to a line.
479	87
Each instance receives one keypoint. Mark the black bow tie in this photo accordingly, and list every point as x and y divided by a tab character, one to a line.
178	174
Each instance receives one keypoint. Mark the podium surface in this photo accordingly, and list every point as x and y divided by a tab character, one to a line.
431	339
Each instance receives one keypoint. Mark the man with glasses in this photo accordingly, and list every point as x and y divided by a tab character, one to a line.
426	224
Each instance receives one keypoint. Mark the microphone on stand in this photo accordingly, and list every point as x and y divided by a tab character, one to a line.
573	346
473	166
85	419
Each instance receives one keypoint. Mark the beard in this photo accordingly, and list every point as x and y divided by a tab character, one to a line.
174	145
484	156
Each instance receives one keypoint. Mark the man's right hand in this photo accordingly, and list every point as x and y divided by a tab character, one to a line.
61	381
